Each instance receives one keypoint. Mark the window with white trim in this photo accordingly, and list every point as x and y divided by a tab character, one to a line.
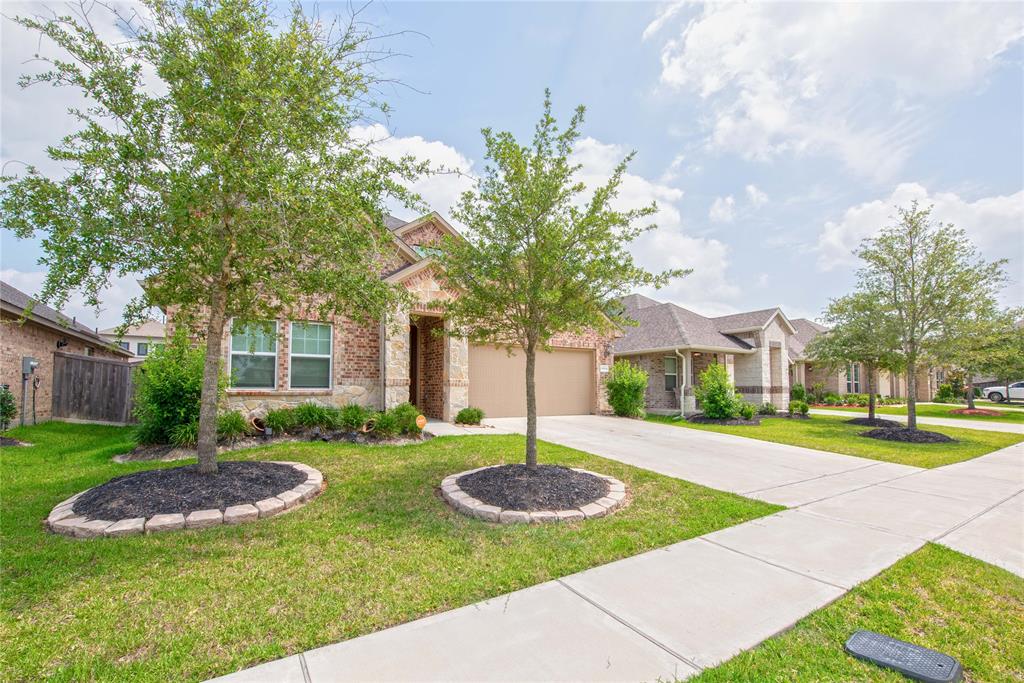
853	378
254	356
310	366
671	373
142	349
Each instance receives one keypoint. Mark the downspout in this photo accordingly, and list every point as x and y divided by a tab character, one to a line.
684	373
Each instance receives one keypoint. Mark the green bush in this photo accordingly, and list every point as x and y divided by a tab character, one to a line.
405	417
945	394
766	408
627	387
386	425
168	385
798	407
747	410
281	421
469	416
231	426
716	393
310	414
818	392
8	409
797	392
353	417
185	435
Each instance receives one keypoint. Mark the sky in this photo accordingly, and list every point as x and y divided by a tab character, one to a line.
772	136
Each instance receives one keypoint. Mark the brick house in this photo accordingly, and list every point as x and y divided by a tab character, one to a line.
38	336
338	361
674	345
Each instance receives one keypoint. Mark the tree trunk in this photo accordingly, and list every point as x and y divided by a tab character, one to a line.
531	404
207	445
912	394
870	369
970	390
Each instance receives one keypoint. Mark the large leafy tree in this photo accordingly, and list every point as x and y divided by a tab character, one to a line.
862	331
1002	352
926	276
978	342
540	257
230	180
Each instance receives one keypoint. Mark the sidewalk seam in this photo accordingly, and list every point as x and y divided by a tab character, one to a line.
773	564
305	669
654	641
814	478
974	517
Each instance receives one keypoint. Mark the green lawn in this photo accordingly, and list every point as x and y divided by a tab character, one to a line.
827	433
936	597
376	549
936	410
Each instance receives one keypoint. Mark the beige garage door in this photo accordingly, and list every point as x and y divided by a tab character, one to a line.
497	381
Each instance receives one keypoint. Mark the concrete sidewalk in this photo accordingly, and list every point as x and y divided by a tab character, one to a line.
674	611
937	421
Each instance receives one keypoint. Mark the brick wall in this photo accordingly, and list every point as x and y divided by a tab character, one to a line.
431	369
656	398
18	339
422	235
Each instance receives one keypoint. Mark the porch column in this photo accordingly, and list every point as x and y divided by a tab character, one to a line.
689	402
395	358
456	375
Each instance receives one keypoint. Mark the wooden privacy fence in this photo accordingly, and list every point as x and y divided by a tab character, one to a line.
90	388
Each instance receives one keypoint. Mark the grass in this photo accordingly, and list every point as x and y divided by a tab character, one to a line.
827	433
936	597
937	410
377	548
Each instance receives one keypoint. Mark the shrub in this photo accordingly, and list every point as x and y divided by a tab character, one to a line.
818	392
8	409
353	417
627	387
716	393
281	421
766	408
310	414
747	410
168	385
797	392
386	425
184	435
405	418
469	416
945	394
231	426
799	407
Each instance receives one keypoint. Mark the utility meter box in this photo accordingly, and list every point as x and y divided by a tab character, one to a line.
28	365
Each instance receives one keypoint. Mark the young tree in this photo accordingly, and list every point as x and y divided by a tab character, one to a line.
924	275
1003	353
237	194
541	259
978	341
862	332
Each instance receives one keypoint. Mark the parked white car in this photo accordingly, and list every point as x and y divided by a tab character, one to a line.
998	394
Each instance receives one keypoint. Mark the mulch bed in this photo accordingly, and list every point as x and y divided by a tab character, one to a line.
547	487
8	441
184	489
875	422
976	411
907	435
703	420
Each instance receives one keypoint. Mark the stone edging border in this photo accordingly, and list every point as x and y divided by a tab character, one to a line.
465	504
62	520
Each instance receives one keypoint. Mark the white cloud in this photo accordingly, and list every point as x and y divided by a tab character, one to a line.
995	225
756	196
113	299
722	210
843	79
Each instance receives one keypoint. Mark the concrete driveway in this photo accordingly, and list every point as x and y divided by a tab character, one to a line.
777	473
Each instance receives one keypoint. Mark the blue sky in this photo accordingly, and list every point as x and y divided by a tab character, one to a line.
773	136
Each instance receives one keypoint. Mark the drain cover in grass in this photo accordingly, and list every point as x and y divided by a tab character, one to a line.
913	661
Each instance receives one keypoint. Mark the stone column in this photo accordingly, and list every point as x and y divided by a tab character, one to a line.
396	359
689	403
456	375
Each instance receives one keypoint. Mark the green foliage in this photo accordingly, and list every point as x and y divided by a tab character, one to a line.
184	435
797	392
945	394
168	385
799	407
311	414
717	396
7	407
231	426
405	415
354	416
627	389
767	408
470	416
818	392
281	420
386	425
747	410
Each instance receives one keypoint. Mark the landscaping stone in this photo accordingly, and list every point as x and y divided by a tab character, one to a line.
488	513
570	516
60	512
514	517
91	528
542	517
289	498
165	523
593	510
269	507
126	527
606	502
200	519
238	514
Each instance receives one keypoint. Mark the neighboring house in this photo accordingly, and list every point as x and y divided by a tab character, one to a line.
338	361
674	345
139	340
38	336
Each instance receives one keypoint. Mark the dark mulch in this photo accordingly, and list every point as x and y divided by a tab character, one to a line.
875	422
907	435
548	487
8	441
700	418
184	489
